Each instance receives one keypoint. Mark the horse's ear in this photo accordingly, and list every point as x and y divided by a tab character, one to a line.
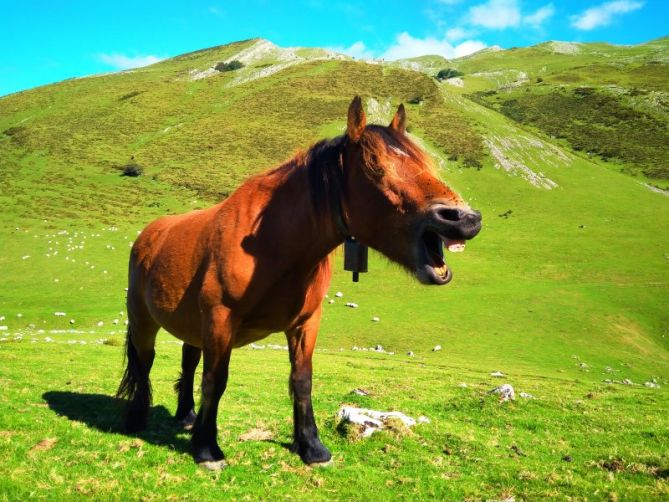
399	122
356	120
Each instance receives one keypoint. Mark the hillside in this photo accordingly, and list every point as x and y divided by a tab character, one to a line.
607	101
565	291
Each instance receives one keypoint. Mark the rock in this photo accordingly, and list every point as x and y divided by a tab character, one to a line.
59	314
525	395
4	328
436	348
423	420
506	392
100	324
367	421
352	305
627	381
652	385
115	322
378	348
360	392
463	385
339	294
497	374
72	321
375	319
567	458
410	354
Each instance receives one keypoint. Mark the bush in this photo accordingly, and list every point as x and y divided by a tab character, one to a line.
448	73
231	66
133	170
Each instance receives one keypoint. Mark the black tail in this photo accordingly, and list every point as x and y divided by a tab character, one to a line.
135	387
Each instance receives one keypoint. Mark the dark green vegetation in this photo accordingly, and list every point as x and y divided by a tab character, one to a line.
604	100
564	288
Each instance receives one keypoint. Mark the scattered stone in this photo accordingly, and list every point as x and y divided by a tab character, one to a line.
72	321
463	385
583	365
360	392
410	354
25	257
100	324
59	314
257	347
506	392
423	420
652	385
525	395
367	422
115	321
517	450
352	305
4	328
125	322
339	294
627	381
48	339
497	374
375	319
331	301
436	348
567	458
355	347
378	348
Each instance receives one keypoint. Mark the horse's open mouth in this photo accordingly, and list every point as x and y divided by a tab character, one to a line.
434	268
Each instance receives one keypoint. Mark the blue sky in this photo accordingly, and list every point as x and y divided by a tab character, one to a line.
45	41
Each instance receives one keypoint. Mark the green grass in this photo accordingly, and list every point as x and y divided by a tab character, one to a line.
576	275
59	432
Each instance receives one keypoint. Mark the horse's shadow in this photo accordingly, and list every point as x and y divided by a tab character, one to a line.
104	414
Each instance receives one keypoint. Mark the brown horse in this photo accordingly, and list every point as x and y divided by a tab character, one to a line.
258	263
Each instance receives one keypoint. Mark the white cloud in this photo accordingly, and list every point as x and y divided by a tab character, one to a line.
123	62
502	14
498	14
537	18
603	14
457	33
406	46
358	50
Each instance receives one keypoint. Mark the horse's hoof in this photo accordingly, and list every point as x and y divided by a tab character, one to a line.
213	465
313	454
322	465
188	421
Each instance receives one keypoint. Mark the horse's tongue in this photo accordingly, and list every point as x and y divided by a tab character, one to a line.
454	246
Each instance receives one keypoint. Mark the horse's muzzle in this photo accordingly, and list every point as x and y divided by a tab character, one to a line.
454	222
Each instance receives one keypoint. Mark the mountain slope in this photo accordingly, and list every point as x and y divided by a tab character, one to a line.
572	259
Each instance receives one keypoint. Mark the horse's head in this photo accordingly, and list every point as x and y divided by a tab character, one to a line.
395	203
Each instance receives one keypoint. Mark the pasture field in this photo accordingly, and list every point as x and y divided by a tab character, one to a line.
565	291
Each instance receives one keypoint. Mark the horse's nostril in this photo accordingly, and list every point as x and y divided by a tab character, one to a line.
450	214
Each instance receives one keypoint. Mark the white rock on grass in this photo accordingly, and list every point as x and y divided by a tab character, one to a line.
652	385
375	319
525	395
72	321
100	324
331	301
506	392
436	348
352	305
115	322
497	374
423	420
4	328
59	314
339	294
410	354
463	385
372	420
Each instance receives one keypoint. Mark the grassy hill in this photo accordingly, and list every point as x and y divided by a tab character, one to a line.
567	285
608	101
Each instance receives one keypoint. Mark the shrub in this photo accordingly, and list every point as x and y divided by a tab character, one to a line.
448	73
231	66
133	170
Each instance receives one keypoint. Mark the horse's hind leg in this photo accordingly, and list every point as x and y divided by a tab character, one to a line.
135	384
190	357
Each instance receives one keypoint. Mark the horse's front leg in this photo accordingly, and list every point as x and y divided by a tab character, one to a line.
301	343
217	334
